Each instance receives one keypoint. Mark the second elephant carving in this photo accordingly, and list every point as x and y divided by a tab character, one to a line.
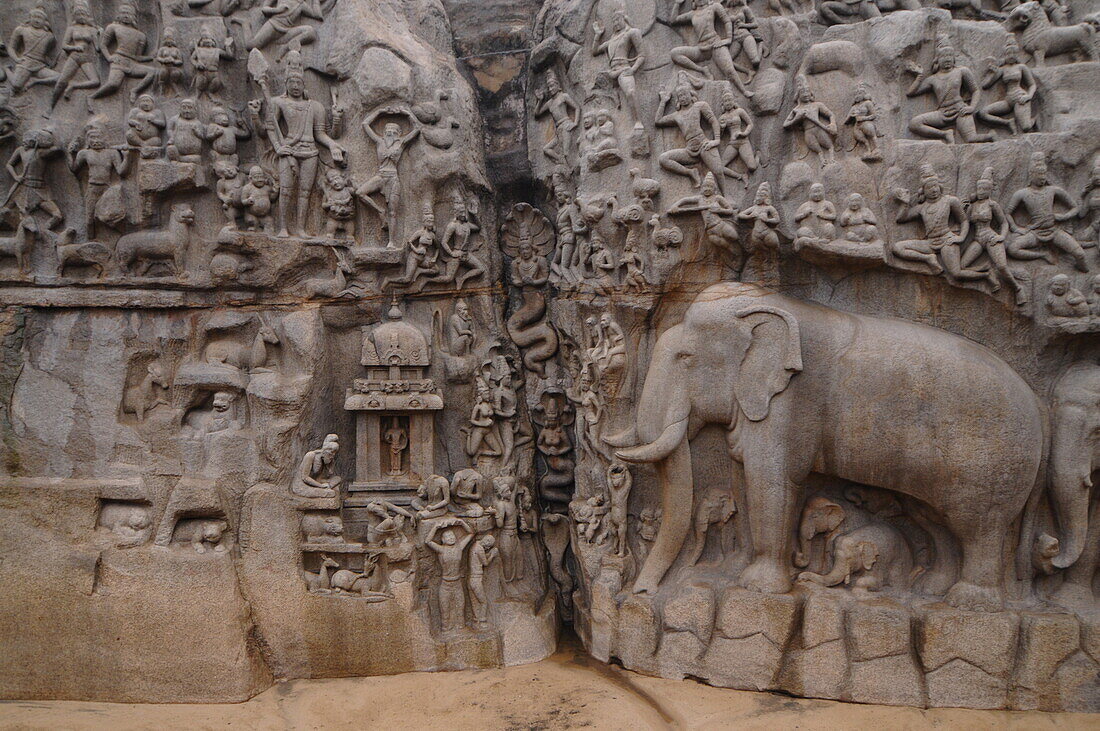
805	388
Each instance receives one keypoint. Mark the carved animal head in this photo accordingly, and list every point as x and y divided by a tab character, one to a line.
821	515
156	374
213	530
329	563
184	214
1025	15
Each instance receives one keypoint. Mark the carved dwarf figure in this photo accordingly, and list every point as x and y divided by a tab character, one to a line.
815	219
817	123
298	127
1064	301
338	203
124	47
1039	200
858	221
206	58
315	476
956	93
258	198
224	136
229	188
81	49
31	47
146	123
391	146
169	61
186	134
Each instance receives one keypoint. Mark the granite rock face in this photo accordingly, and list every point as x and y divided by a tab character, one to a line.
756	340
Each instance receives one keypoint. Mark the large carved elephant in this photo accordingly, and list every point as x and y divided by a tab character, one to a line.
1074	457
804	388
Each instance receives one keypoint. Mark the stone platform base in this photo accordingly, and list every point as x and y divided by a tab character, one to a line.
828	644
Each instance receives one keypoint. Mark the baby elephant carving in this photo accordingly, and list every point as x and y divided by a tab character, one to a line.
865	547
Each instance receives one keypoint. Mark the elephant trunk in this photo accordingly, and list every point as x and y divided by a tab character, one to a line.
802	556
1070	484
677	489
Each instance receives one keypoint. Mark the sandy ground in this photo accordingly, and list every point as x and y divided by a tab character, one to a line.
566	691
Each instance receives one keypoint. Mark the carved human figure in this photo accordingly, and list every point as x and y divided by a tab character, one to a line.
389	530
124	47
600	266
936	212
736	126
989	227
483	434
283	23
397	440
589	514
714	507
506	518
611	358
746	37
298	126
1089	209
450	551
482	554
714	32
31	47
225	135
565	115
186	134
1014	111
721	234
624	55
635	265
817	123
1040	201
432	497
206	59
421	253
838	12
863	116
570	226
258	198
391	146
765	221
460	330
590	412
27	167
1064	301
957	96
460	264
599	143
169	63
338	204
80	47
556	486
858	221
815	218
689	116
619	482
146	123
315	476
102	163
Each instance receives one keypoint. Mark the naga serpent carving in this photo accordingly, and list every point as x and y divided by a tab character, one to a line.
528	237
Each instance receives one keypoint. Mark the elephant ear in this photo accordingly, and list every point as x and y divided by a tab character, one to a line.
773	356
868	554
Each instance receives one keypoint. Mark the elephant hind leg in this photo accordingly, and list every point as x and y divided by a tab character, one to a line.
979	585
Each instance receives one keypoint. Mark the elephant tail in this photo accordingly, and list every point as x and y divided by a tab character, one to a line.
1027	524
915	573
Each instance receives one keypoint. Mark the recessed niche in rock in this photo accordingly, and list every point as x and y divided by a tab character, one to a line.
758	341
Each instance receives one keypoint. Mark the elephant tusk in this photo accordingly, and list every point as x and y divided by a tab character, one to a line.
626	438
659	449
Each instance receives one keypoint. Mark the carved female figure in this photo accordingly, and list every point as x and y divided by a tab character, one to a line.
989	228
1014	111
590	413
736	127
632	260
601	263
1090	203
81	48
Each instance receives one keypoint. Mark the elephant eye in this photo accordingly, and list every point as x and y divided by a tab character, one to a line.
684	354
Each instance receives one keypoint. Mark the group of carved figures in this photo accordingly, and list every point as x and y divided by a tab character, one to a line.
295	140
446	538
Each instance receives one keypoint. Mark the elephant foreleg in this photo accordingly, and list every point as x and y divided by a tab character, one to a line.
771	506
